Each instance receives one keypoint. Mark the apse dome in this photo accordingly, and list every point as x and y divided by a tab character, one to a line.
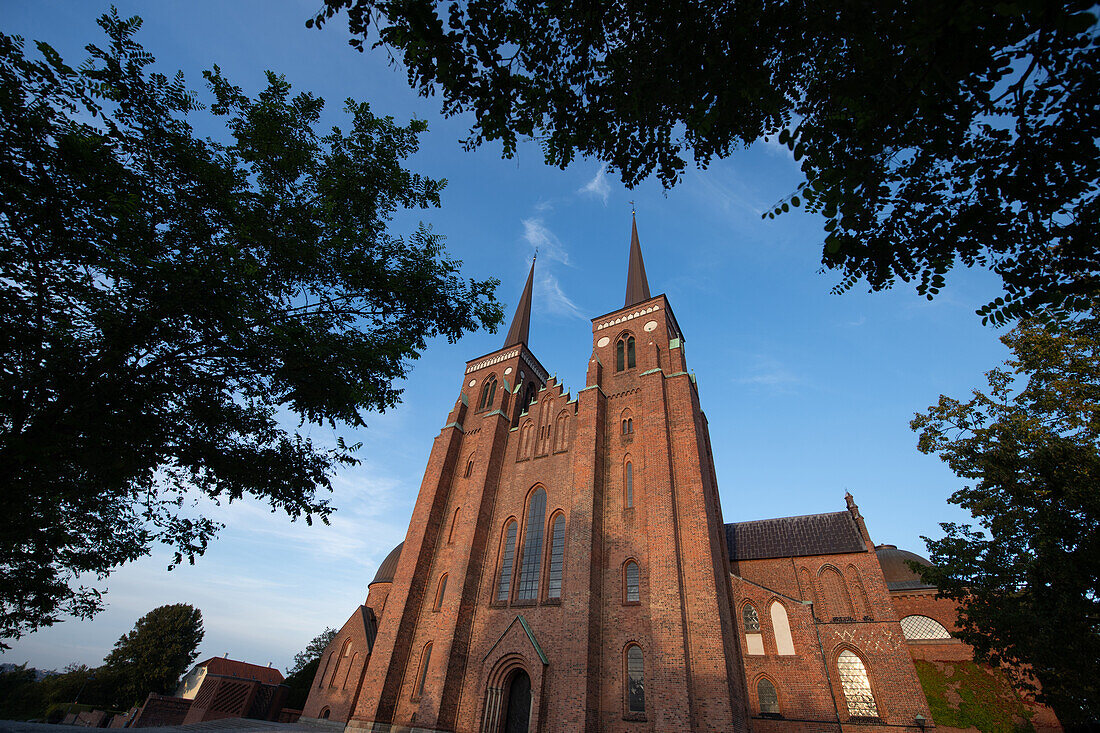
896	570
388	568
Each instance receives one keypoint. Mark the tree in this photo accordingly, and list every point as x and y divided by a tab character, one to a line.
929	132
169	305
155	653
314	649
1028	580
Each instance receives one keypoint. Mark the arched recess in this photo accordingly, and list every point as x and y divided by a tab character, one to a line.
530	392
341	661
454	523
561	428
862	605
809	592
628	482
781	627
422	671
527	588
353	665
626	422
328	663
498	685
855	683
525	440
469	466
440	591
838	604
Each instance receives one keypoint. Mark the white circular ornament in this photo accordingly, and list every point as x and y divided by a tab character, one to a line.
651	326
603	342
473	382
507	371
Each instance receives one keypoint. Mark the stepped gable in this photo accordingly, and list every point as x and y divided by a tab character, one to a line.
833	533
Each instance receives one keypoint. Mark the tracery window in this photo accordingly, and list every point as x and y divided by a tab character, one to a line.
916	628
768	697
635	680
557	556
856	685
530	565
488	392
752	619
506	559
632	583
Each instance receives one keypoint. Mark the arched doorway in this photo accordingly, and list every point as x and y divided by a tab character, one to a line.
517	711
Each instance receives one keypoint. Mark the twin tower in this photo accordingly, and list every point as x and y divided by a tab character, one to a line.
566	566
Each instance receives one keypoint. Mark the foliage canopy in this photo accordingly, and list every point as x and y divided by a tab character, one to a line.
169	304
153	655
314	649
929	132
1028	580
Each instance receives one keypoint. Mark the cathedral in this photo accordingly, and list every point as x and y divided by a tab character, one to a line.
567	568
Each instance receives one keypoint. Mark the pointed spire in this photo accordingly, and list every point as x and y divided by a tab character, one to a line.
521	321
637	287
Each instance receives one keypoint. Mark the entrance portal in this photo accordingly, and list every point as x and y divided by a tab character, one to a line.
518	712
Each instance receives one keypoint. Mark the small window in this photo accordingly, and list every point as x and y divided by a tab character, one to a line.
635	680
454	522
422	675
557	556
752	619
630	353
488	392
440	592
469	468
769	699
324	714
856	685
629	481
506	559
629	425
632	583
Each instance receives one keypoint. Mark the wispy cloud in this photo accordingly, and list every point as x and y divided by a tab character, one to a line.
769	373
730	194
598	187
545	241
552	299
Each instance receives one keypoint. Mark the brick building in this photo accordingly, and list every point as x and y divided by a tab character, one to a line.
568	568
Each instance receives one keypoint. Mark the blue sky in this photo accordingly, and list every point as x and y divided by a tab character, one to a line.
808	394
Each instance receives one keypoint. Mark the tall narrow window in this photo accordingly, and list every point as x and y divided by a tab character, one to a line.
531	563
769	699
528	396
469	468
454	521
635	680
557	556
629	481
341	661
633	583
439	593
506	558
856	685
488	392
422	675
752	619
781	627
620	355
630	353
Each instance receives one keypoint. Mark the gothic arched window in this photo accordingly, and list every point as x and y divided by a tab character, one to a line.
507	556
488	392
769	699
422	673
631	583
628	481
557	556
440	591
341	661
635	680
528	396
781	627
624	353
856	685
751	618
530	564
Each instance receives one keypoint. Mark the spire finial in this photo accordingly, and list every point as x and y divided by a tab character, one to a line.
521	321
637	286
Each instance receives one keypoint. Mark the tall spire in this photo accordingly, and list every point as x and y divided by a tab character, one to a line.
637	287
521	321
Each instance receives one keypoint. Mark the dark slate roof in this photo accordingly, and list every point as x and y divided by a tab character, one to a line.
388	568
896	570
637	285
811	534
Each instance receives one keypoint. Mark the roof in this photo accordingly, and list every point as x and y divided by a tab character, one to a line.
388	568
520	329
810	534
637	286
242	670
896	570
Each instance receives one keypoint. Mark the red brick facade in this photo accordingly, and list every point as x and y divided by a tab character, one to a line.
574	532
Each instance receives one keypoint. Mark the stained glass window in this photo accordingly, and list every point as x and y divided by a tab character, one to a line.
769	699
635	680
557	556
857	686
506	561
752	620
633	592
530	565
